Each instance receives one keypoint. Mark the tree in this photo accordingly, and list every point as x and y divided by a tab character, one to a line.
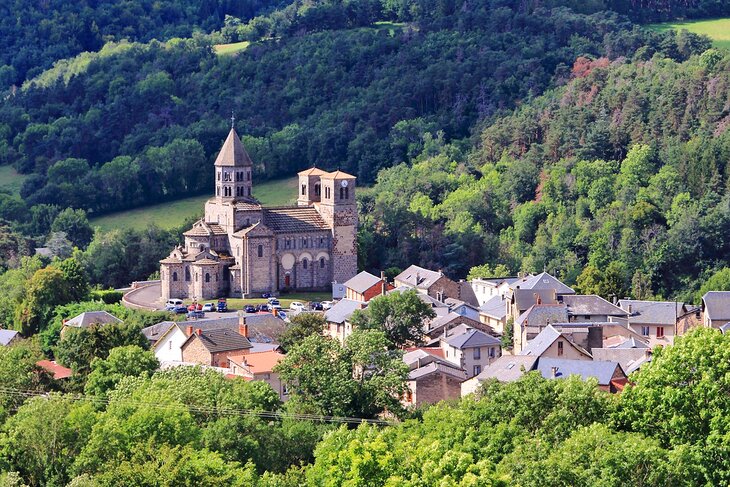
719	281
400	315
301	326
46	289
19	372
486	271
121	362
75	279
75	225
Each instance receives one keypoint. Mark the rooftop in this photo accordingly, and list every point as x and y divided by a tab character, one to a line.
419	277
602	371
653	312
342	310
221	340
58	371
294	219
590	304
362	282
717	305
471	339
542	281
494	307
539	345
88	318
508	368
259	362
233	153
7	336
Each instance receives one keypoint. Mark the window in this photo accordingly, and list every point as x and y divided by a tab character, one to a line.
169	345
219	175
217	190
491	352
645	331
196	277
560	349
317	190
660	332
342	193
304	264
174	276
287	244
347	193
187	274
304	189
321	262
477	369
261	251
248	175
477	353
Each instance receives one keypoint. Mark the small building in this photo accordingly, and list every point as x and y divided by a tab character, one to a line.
443	323
507	368
654	320
471	351
494	313
716	307
260	366
610	375
487	288
431	378
58	372
8	337
552	343
89	318
463	308
338	316
523	299
533	320
213	347
589	307
432	283
365	286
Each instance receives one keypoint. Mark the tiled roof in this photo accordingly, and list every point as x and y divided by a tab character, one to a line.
312	171
337	175
206	261
542	281
653	312
472	338
58	371
233	153
259	362
543	314
590	304
539	345
294	219
84	320
508	368
248	205
221	340
717	305
170	260
205	229
603	371
6	336
362	282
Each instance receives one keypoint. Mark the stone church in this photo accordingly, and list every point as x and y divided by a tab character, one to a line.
241	248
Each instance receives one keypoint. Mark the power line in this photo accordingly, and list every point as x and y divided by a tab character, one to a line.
203	409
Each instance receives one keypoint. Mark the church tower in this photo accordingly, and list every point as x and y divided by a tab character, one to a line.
339	210
233	168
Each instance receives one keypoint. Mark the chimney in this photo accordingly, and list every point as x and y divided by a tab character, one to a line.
629	308
553	372
383	283
243	328
199	332
538	299
189	331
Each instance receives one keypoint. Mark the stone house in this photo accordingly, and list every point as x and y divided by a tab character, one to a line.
241	248
610	375
432	283
472	351
213	347
365	286
431	377
553	343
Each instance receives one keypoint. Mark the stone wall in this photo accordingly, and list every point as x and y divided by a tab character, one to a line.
194	352
435	387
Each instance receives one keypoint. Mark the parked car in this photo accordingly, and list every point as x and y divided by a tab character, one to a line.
250	308
222	305
276	307
327	304
182	309
195	307
172	304
208	307
263	308
296	306
196	314
273	301
316	306
266	295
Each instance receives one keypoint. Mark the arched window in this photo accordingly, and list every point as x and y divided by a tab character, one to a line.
249	191
207	277
342	193
304	189
347	193
217	190
304	264
321	262
261	251
317	189
174	276
196	277
248	174
187	274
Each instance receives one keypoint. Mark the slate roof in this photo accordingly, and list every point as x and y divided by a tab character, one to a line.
590	304
543	314
524	298
542	281
494	307
603	371
420	356
84	320
435	303
362	282
221	340
724	328
629	343
717	305
508	368
467	294
6	336
262	328
471	339
419	277
233	153
539	345
633	367
294	219
342	310
653	312
435	367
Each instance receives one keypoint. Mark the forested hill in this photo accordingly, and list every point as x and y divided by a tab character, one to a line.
132	124
616	182
34	34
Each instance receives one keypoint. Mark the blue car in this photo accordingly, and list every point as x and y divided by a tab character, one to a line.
196	314
250	308
182	309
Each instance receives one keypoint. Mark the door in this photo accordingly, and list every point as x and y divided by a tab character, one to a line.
287	280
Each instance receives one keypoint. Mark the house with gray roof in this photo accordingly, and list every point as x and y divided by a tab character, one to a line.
533	320
89	318
716	308
444	322
507	368
212	347
472	350
488	288
590	307
522	299
432	283
365	286
610	375
554	344
494	313
8	337
542	281
431	378
654	320
338	318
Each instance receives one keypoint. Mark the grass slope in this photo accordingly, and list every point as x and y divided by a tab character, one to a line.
221	49
718	29
11	180
171	214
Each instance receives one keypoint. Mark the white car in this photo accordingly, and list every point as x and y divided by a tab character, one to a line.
296	306
327	305
208	307
171	304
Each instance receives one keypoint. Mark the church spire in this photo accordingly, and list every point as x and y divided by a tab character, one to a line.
233	153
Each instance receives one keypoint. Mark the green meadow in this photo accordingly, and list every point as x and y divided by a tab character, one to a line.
233	48
10	179
172	213
717	29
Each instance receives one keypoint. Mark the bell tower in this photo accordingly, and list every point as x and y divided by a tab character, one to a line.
233	170
338	209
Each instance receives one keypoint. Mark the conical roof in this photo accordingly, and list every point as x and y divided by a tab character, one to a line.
233	153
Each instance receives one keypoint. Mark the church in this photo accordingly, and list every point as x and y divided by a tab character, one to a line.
243	249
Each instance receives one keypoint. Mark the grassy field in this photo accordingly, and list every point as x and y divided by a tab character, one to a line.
10	179
718	29
171	214
221	49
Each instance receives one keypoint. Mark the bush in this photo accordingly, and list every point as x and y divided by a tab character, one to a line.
108	296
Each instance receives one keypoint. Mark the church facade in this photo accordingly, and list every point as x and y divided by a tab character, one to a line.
243	249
